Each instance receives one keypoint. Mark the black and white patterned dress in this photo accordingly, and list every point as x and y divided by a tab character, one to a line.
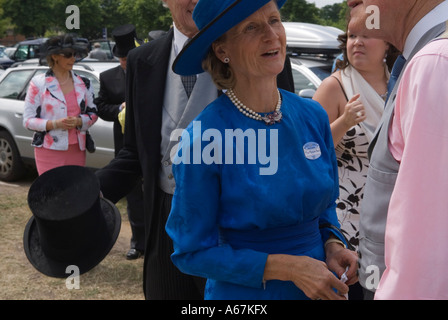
351	153
353	163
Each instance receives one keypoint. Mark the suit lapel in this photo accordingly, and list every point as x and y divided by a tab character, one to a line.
147	87
53	86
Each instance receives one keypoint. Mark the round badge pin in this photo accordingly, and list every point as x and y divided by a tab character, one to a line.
312	150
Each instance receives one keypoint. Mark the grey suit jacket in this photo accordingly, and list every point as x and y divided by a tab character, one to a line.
381	177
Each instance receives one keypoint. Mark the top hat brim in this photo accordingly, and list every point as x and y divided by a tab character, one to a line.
120	53
91	258
189	60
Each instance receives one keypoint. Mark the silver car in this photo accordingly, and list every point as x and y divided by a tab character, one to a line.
312	49
15	141
306	81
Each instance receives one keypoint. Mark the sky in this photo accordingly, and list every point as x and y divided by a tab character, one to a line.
322	3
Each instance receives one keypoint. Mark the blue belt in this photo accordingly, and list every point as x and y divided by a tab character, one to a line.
296	239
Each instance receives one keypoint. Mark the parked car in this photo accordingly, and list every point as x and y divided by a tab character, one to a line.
9	51
309	38
5	61
15	141
312	49
306	81
106	46
28	49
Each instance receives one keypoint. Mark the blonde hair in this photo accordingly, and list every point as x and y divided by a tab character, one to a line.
50	61
221	73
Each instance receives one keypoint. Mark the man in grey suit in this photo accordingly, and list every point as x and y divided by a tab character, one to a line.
409	25
158	102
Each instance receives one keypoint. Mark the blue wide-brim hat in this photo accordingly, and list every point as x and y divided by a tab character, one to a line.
213	19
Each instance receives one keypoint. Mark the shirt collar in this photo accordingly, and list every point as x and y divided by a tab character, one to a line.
436	16
178	40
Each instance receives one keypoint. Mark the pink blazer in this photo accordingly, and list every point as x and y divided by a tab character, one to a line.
45	101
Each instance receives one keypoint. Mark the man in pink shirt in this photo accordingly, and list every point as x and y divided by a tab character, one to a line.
404	219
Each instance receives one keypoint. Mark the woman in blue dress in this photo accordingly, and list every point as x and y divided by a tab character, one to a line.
256	173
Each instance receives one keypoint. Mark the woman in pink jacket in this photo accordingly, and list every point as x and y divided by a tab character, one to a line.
59	107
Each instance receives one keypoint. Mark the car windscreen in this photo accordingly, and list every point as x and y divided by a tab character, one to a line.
12	85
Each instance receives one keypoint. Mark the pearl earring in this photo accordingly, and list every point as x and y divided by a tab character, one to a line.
226	60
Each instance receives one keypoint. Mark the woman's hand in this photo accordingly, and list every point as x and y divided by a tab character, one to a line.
69	123
354	112
310	275
339	258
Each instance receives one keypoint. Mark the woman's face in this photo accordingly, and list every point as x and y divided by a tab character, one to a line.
64	60
364	52
256	47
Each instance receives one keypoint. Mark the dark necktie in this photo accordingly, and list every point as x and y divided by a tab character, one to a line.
188	81
395	74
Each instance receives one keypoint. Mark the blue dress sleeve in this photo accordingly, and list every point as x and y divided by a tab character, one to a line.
193	226
328	221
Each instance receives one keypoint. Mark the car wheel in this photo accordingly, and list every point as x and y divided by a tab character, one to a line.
11	165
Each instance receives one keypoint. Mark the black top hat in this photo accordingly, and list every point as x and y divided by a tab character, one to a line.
125	38
71	223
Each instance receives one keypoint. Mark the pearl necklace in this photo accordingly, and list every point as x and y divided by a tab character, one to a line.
269	119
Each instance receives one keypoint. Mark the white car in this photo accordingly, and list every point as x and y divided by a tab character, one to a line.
15	141
311	38
312	49
306	81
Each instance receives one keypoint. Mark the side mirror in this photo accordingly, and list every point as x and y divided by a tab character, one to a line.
307	93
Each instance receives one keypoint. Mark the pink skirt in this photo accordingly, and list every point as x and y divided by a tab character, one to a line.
47	159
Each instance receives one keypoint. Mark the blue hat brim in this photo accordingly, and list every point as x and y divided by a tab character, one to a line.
189	60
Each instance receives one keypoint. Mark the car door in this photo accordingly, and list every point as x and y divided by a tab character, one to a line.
12	87
305	81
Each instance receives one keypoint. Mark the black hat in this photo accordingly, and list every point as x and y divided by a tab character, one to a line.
71	223
125	40
155	34
57	44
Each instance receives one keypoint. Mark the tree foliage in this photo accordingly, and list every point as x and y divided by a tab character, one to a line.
45	17
300	11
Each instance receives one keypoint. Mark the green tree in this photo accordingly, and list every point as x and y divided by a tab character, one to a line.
146	15
4	21
29	17
300	11
111	16
335	15
90	17
47	17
